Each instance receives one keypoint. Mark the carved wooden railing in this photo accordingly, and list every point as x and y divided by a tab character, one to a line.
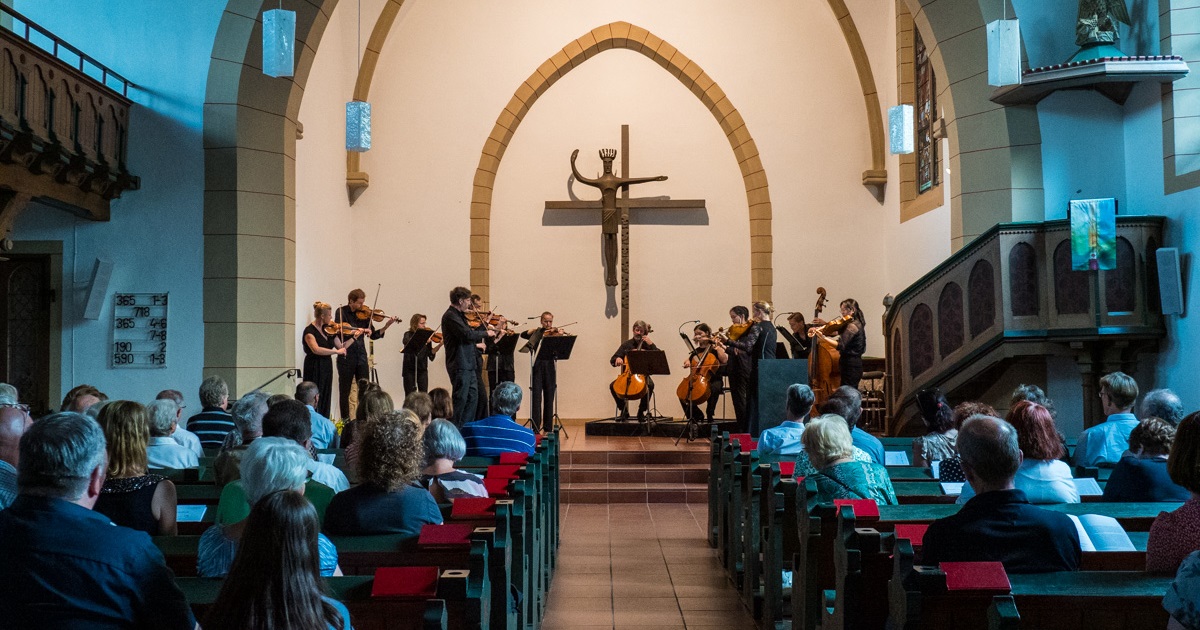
1011	293
64	122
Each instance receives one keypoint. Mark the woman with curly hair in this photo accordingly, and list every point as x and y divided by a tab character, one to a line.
130	497
388	500
1043	476
1141	476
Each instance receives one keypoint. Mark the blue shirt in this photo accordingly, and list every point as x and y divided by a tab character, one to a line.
65	566
215	554
1136	480
8	484
1103	444
341	608
868	443
323	430
497	434
781	440
367	509
211	425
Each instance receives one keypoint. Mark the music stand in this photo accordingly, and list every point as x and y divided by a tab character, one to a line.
649	363
556	348
415	344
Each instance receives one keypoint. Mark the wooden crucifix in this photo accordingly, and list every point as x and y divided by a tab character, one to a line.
615	212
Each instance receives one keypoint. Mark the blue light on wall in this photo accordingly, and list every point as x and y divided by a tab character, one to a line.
279	43
900	129
358	126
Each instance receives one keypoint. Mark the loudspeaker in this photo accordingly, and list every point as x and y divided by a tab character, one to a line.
1170	281
101	275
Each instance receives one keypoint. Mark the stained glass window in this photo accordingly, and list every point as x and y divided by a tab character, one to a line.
925	115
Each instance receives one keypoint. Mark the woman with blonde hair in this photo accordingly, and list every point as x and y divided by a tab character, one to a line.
831	451
131	497
319	348
756	344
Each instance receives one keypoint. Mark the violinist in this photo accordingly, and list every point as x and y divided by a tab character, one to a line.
544	378
739	364
751	347
639	342
416	364
501	366
480	319
797	336
706	345
318	346
353	365
462	355
851	340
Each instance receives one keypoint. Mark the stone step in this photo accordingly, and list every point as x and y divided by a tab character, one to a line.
634	492
634	473
679	457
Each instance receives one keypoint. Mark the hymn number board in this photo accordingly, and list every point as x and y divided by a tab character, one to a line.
140	330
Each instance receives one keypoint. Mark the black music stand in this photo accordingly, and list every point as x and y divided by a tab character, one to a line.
556	348
649	363
418	341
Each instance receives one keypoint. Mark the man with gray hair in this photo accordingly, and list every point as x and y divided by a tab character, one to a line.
185	438
163	451
14	422
213	422
323	430
499	433
66	566
1163	404
999	524
247	415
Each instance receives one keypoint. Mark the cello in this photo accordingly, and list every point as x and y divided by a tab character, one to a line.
694	388
628	385
823	371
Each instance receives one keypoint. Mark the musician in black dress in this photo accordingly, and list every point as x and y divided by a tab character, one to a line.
501	365
544	378
416	363
319	346
639	342
353	365
706	344
738	368
480	321
851	341
755	345
462	357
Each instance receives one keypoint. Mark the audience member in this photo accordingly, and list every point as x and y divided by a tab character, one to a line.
420	404
784	439
829	446
1105	443
444	446
950	469
1141	476
1033	394
499	433
247	415
388	501
269	465
1182	600
162	451
1042	475
1163	404
66	566
131	497
289	419
938	416
846	402
14	422
9	391
213	423
443	403
1176	534
275	580
185	438
371	405
81	397
275	399
324	432
999	524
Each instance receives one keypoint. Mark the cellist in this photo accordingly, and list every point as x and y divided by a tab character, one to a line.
706	346
639	342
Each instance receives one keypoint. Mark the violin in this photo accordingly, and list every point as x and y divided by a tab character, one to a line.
341	328
833	325
375	314
557	331
735	331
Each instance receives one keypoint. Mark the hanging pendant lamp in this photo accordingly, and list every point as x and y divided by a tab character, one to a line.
279	42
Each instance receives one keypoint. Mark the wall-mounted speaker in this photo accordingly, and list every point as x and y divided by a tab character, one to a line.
1170	281
101	275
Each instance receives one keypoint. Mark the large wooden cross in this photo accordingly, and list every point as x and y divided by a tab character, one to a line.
624	206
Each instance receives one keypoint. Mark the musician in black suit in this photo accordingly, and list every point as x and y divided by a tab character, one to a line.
462	357
639	342
756	344
353	365
544	378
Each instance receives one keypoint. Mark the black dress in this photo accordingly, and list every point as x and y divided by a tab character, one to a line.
128	502
416	367
852	343
319	369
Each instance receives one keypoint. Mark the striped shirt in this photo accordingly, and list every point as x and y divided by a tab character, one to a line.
211	426
497	434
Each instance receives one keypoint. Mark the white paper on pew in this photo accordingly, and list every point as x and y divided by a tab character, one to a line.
952	489
326	458
1101	533
895	458
1087	487
935	468
190	513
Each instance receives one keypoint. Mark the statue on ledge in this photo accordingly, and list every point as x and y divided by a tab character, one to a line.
1098	20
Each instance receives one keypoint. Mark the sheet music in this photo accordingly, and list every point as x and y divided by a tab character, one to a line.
1087	487
190	513
951	489
896	458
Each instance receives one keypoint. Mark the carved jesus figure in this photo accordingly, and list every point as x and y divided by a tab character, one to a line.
1097	23
608	183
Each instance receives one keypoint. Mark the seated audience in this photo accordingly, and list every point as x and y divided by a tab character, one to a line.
1182	600
275	580
999	524
804	465
289	419
1163	404
66	566
950	469
1042	476
81	398
443	403
14	422
247	414
371	405
499	433
938	416
1176	534
9	391
420	404
1033	394
324	432
1141	475
846	402
784	439
185	438
444	446
830	448
131	497
1105	443
269	465
163	451
213	423
275	399
388	501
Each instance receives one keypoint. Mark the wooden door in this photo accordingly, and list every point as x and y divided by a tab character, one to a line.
25	328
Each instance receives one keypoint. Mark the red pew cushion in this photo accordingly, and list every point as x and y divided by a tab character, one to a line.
405	582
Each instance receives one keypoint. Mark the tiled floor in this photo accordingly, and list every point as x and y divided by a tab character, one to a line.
640	566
